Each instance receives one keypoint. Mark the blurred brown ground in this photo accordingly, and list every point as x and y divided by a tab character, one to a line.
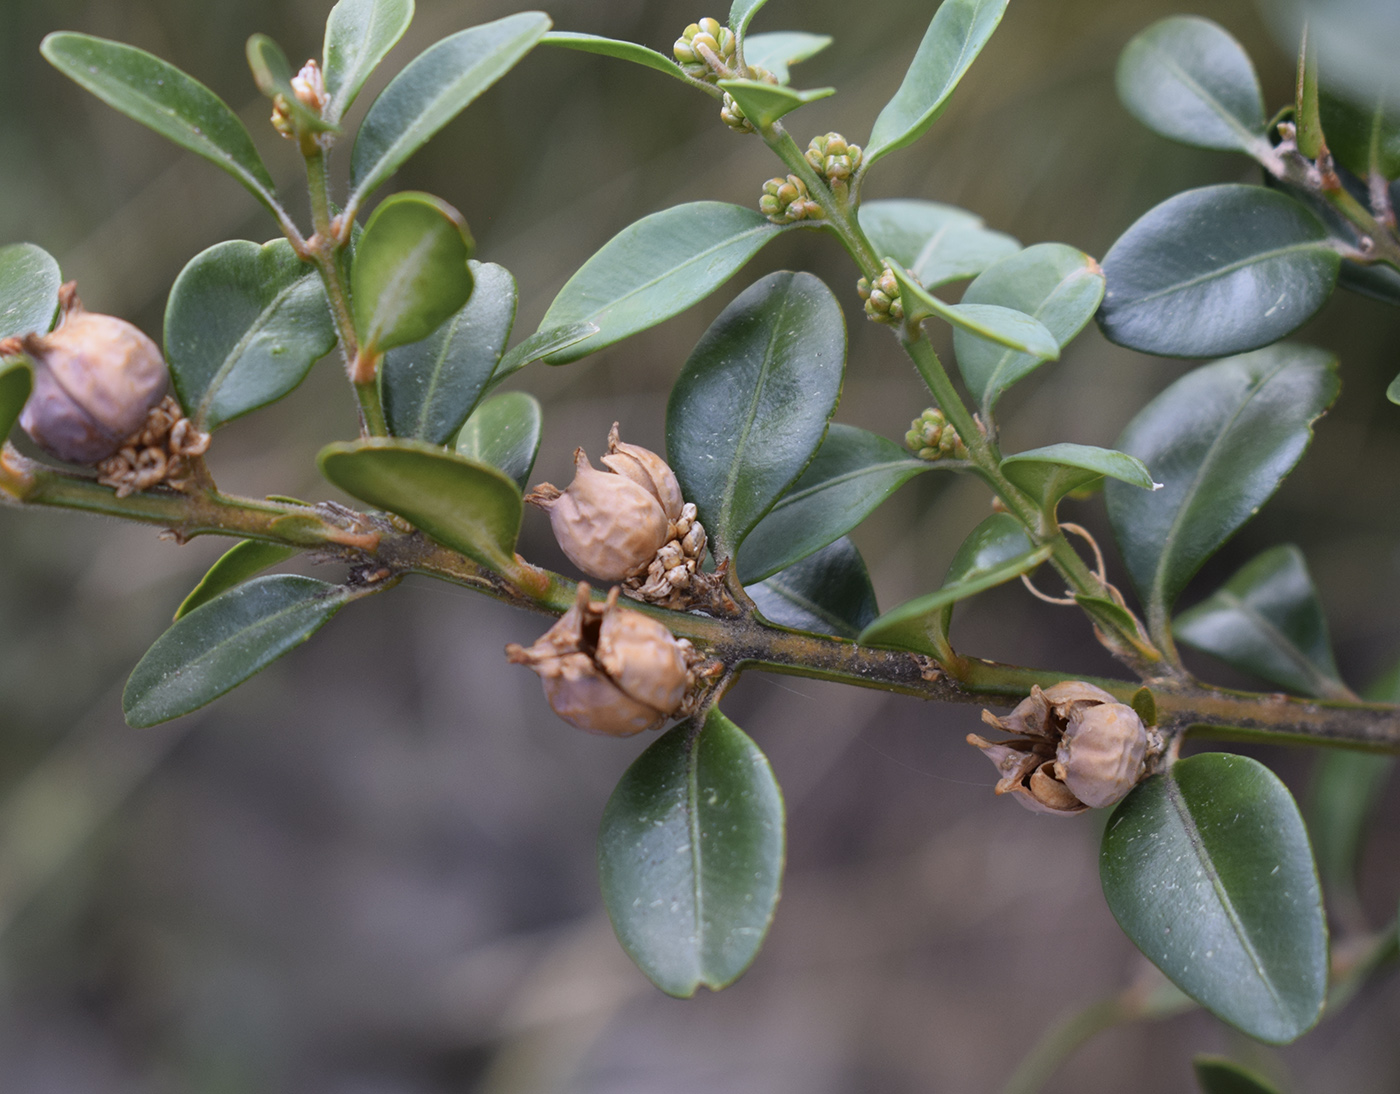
370	870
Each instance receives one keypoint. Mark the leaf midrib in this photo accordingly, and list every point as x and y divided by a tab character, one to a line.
395	298
913	468
1318	245
1320	683
1250	138
994	385
955	74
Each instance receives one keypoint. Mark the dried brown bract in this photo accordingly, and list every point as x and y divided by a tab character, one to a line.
164	450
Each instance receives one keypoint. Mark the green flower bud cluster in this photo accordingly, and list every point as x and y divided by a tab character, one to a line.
700	39
733	116
930	437
834	159
787	200
882	302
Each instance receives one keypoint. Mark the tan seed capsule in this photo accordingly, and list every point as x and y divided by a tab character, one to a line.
1102	752
647	470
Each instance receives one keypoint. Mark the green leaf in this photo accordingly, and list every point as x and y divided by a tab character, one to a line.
541	344
753	401
1393	391
1306	111
235	566
611	47
156	94
1004	326
1217	270
690	856
1363	138
504	432
778	49
764	103
1048	474
828	592
430	387
1186	78
1266	620
1207	869
654	269
273	75
1144	704
937	243
218	646
1217	1075
852	473
467	506
1221	439
1056	284
243	326
741	13
29	283
359	35
434	87
410	271
16	382
997	551
959	30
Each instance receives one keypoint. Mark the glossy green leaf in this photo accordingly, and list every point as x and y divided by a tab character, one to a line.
243	326
235	566
752	403
16	382
937	243
504	432
468	506
690	856
1217	270
429	387
1267	620
654	269
1058	285
218	646
1220	439
273	74
1004	326
1186	78
741	13
410	273
1217	1075
778	49
1362	138
541	344
851	475
434	87
764	103
359	35
612	47
828	592
159	95
997	551
1048	474
29	283
959	30
1207	869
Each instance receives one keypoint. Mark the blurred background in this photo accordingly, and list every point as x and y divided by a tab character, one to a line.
371	869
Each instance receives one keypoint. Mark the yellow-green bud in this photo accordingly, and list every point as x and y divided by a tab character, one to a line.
785	200
882	302
707	37
733	116
930	437
834	158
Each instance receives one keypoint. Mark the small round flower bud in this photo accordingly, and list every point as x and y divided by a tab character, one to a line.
882	302
733	116
786	200
930	437
834	158
701	45
309	87
95	379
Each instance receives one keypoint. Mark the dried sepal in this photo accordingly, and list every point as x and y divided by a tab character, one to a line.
166	451
647	470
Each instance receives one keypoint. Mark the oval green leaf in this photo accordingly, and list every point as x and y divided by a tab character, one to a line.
1267	620
1055	284
541	344
853	472
1004	326
468	506
1217	1075
431	91
410	272
1363	139
359	35
937	243
273	74
243	326
156	94
1217	270
16	382
654	269
1220	439
956	35
29	283
752	403
612	47
235	566
504	432
764	103
1207	869
741	13
1187	79
828	592
218	646
777	49
429	387
690	856
1346	789
997	551
1048	474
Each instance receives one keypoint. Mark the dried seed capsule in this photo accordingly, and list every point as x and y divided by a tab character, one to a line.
647	470
1102	754
95	378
